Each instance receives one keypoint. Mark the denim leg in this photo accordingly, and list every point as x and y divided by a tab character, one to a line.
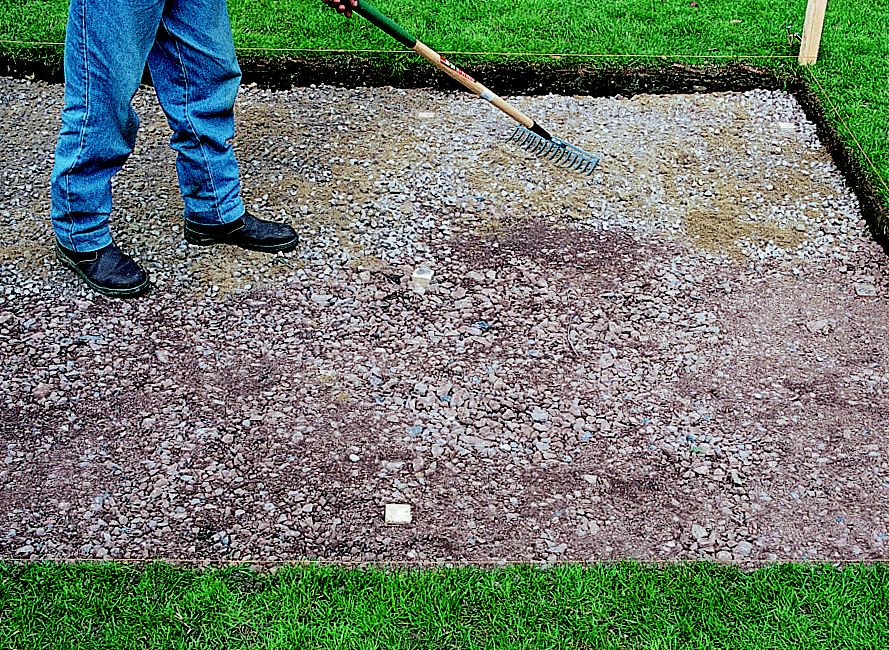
196	77
106	46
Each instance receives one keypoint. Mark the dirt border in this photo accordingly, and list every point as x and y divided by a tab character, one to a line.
561	76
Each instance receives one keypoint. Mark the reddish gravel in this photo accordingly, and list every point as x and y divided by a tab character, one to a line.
686	357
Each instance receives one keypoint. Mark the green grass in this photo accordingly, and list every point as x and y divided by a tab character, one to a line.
619	606
624	606
854	66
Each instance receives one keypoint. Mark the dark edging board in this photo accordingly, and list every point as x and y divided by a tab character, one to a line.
555	75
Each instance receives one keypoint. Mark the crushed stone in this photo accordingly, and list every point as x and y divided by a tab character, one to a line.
684	356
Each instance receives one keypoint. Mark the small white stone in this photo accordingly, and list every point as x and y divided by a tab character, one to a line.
354	458
744	548
865	289
787	126
398	513
422	277
698	531
425	115
821	325
322	299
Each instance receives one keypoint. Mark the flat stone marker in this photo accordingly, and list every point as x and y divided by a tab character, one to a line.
398	513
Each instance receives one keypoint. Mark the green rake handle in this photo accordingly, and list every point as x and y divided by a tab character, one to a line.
400	34
388	25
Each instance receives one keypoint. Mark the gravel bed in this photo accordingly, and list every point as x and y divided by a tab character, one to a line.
684	356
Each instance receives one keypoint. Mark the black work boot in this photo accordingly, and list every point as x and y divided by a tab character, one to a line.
246	232
107	270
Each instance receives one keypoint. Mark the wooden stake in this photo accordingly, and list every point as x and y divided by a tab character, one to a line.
808	51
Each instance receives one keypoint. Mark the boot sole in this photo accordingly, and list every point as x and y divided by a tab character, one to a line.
198	239
131	292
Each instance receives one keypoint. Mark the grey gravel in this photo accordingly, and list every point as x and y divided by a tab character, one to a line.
685	356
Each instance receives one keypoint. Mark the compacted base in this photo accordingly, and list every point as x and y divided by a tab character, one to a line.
683	356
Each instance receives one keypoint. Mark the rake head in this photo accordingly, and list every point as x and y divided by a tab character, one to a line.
557	150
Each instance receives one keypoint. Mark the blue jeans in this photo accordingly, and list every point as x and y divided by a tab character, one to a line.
191	56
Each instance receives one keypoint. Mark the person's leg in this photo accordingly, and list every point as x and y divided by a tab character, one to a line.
106	46
196	77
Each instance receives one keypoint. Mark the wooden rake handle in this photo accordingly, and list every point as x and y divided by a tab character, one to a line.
396	31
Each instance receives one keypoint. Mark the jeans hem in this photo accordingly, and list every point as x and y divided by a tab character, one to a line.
216	217
88	246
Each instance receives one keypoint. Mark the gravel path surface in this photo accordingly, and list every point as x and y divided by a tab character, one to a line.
685	356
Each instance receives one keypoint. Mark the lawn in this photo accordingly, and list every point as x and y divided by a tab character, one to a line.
624	606
853	69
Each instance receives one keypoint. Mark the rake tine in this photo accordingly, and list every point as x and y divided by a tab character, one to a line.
555	150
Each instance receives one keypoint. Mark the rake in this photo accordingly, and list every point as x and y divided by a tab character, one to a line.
528	134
